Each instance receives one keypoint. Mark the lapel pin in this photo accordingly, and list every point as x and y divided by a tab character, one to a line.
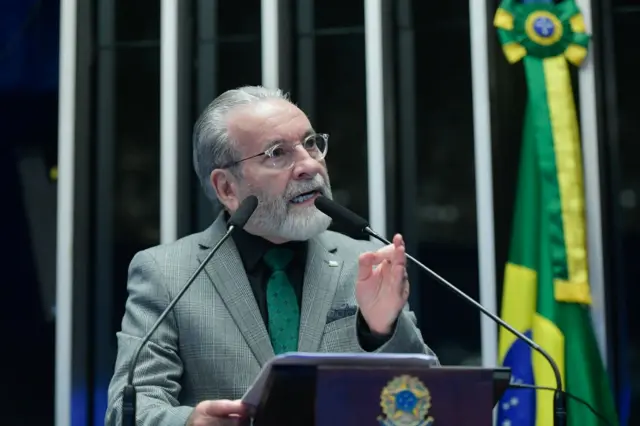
333	263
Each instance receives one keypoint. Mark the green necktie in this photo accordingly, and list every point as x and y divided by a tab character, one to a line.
282	303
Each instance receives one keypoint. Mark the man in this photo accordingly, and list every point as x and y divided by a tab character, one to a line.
282	284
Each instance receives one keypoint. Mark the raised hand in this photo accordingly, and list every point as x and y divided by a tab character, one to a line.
382	287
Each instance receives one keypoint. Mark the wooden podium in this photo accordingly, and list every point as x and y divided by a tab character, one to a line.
388	395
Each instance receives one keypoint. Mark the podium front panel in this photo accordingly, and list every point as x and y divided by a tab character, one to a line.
394	397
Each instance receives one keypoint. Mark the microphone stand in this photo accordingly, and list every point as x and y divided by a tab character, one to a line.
129	391
559	399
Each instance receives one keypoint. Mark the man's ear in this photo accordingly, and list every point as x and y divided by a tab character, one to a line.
226	188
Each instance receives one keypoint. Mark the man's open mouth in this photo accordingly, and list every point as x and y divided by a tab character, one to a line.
304	197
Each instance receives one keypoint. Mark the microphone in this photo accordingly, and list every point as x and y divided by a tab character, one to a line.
340	213
237	220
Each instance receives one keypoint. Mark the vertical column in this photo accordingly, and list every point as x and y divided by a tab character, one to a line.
65	212
591	173
484	181
169	154
270	43
206	14
405	48
306	66
375	115
104	203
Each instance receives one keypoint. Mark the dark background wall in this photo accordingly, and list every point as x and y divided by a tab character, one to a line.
28	143
429	148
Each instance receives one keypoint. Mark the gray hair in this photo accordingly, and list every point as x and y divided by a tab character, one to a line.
212	146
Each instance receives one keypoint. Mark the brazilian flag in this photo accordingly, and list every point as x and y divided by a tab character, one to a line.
546	289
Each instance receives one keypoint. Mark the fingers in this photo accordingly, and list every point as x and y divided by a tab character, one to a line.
389	259
399	257
366	262
223	408
397	264
384	253
399	273
389	252
398	240
394	253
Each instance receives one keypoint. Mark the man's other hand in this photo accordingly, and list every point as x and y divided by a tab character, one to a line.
221	412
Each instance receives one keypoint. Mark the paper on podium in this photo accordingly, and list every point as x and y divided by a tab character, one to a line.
254	393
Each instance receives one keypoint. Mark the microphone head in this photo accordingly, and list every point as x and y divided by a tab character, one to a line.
241	216
341	214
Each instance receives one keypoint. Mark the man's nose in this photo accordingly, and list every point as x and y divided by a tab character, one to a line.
305	167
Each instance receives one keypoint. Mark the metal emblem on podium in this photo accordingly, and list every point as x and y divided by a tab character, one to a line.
405	401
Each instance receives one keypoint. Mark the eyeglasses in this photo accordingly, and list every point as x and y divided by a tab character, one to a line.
282	156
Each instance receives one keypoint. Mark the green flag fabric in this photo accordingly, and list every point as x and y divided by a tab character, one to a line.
546	286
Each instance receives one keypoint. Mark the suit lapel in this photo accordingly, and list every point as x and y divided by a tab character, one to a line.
230	280
320	283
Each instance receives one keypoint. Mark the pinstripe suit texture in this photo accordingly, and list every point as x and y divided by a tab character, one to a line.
215	342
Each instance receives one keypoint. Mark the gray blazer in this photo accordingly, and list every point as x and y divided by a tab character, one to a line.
215	342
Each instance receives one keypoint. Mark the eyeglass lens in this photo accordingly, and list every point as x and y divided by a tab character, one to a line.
282	156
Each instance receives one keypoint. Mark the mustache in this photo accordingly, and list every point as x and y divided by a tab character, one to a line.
318	183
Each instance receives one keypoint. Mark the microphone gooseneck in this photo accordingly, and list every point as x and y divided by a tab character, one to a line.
340	213
237	220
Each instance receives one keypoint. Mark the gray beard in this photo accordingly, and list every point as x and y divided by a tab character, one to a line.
275	216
